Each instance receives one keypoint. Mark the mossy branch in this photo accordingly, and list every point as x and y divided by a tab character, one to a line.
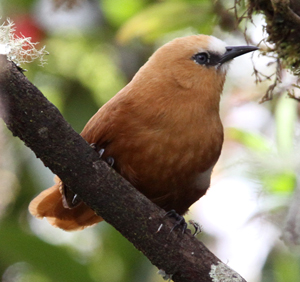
283	28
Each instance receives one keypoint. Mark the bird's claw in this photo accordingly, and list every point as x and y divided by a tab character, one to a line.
109	160
180	222
101	152
76	200
70	200
93	146
196	226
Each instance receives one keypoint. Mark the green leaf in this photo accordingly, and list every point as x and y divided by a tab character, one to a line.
287	267
165	17
118	11
251	140
285	115
281	182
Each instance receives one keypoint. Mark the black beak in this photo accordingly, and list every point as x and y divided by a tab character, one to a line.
235	51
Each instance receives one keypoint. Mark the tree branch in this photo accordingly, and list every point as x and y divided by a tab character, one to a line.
31	117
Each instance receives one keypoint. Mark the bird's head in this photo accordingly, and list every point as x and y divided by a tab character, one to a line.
196	61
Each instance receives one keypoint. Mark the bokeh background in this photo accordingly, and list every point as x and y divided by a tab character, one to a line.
95	48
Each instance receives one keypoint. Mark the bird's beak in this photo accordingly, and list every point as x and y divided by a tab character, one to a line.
235	51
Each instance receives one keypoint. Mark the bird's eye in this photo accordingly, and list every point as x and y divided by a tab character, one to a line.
201	58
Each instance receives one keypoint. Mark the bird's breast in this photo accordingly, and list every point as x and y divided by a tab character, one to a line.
165	148
160	159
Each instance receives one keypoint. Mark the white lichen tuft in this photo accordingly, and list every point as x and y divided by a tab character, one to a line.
20	50
223	273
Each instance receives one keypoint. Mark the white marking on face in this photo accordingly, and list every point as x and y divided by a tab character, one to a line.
216	45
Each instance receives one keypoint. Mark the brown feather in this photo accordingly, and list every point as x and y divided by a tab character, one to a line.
163	130
49	204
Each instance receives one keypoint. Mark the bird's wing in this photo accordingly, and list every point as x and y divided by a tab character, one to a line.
101	127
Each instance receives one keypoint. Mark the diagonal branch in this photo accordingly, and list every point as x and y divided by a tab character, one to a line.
31	117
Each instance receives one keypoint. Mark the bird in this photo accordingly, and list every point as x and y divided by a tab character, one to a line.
162	131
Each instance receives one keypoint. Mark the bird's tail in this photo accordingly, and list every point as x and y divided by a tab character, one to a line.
49	204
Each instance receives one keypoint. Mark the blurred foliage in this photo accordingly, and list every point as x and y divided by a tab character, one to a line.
278	162
84	70
158	19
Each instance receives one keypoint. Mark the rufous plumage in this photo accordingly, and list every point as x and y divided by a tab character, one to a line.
163	130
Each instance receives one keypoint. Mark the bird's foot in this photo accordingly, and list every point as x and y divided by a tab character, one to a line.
101	152
95	147
196	226
70	200
109	160
180	222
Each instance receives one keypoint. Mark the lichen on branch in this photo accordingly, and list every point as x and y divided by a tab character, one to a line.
18	49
